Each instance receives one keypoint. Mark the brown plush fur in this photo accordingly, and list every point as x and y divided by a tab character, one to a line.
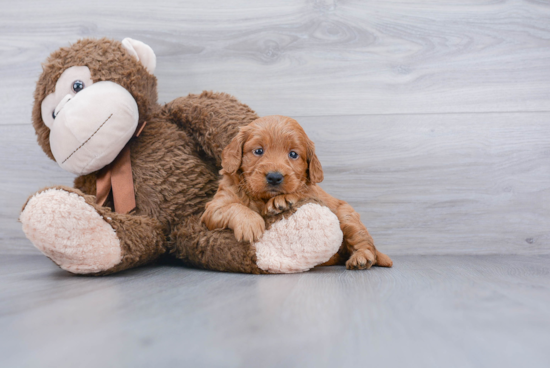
261	149
141	238
107	61
175	162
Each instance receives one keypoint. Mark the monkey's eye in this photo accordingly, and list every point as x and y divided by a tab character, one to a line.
259	151
53	114
293	155
78	86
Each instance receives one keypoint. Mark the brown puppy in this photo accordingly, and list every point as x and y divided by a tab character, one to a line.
270	165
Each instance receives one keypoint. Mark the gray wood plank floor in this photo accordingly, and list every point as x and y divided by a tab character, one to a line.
428	311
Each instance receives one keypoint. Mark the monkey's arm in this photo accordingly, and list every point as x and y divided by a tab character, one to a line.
211	119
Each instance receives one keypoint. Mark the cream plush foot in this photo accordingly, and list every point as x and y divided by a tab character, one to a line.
70	232
302	241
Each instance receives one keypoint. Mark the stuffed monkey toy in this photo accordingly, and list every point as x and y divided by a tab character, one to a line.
145	172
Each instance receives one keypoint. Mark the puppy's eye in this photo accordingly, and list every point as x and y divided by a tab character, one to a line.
259	151
78	86
293	155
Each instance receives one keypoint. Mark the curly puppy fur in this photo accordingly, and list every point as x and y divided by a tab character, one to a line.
175	162
269	167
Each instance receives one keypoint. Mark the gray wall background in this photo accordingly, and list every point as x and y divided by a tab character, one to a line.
432	118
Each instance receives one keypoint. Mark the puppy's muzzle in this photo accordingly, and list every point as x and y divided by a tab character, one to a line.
274	178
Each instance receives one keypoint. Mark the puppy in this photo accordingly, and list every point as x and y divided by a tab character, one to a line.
270	165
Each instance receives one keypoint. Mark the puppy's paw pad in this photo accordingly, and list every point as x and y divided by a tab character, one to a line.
279	204
360	260
270	208
250	228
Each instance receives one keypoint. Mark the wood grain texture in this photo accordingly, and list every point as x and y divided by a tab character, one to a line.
430	117
433	311
442	184
305	58
374	83
423	184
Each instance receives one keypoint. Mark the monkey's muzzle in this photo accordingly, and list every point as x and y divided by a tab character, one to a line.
92	127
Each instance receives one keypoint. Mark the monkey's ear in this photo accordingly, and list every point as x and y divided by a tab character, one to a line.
315	170
142	52
232	155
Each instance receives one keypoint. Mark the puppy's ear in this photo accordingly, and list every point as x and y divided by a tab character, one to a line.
232	155
315	170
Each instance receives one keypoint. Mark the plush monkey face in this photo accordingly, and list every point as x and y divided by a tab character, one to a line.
102	90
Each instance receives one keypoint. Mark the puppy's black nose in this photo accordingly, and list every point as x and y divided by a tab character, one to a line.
274	178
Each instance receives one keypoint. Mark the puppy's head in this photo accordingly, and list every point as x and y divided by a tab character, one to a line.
272	156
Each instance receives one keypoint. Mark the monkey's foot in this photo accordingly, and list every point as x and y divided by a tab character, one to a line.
307	238
70	232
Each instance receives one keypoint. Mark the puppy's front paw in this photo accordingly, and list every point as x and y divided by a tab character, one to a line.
361	259
280	203
250	227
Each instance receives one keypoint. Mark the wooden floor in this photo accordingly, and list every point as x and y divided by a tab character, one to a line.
432	118
428	311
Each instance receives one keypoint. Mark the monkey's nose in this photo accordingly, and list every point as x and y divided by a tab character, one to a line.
60	105
274	178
